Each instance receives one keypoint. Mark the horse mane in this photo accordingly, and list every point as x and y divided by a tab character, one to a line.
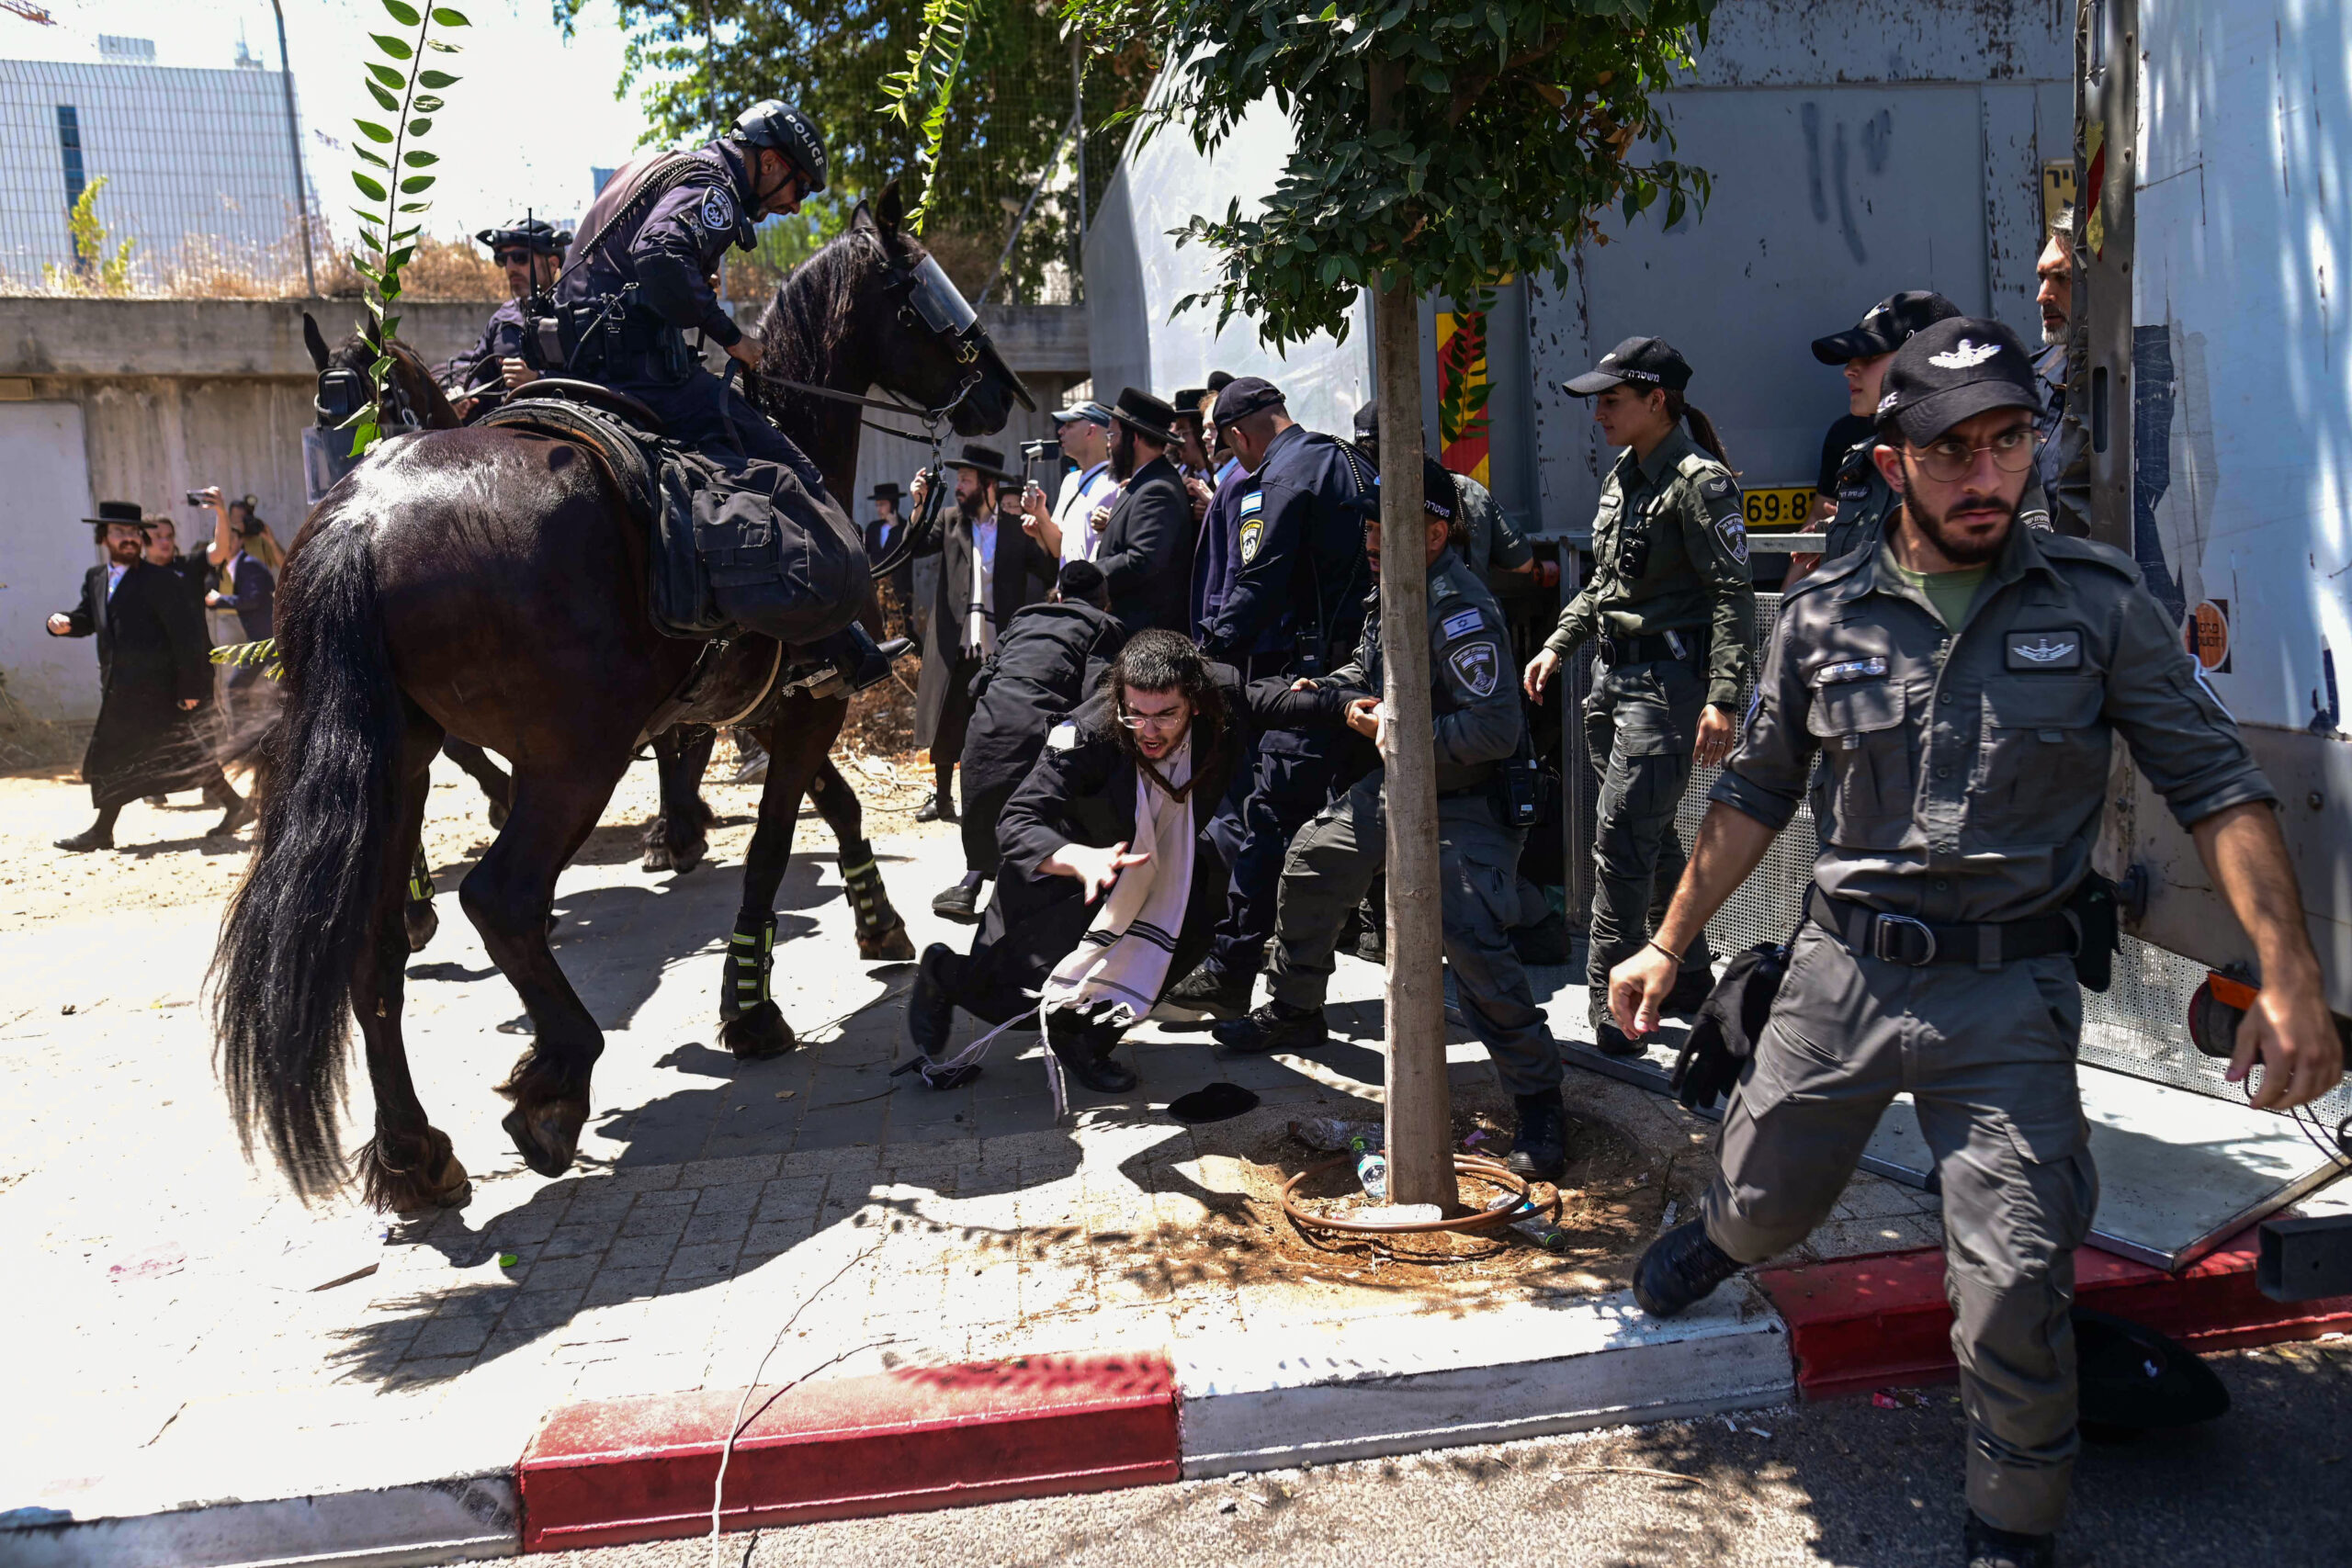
802	329
358	350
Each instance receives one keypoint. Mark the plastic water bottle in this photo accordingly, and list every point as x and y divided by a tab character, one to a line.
1537	1228
1372	1170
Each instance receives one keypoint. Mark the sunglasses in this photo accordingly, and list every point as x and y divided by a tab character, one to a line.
513	258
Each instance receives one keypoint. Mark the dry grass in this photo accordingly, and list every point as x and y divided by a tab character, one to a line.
203	267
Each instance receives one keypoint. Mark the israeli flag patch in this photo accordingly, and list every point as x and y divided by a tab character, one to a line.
1463	625
718	212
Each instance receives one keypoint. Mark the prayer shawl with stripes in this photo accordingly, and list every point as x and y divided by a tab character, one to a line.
1118	967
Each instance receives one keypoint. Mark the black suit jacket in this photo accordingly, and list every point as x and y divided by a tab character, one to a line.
252	591
150	634
1022	574
1147	551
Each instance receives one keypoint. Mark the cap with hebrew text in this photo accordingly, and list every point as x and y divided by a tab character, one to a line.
1644	362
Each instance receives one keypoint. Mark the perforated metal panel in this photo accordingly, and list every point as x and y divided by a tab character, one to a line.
2139	1025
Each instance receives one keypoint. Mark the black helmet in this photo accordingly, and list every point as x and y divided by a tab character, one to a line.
540	236
773	124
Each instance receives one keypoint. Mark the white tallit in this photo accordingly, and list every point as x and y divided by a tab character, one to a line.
1122	961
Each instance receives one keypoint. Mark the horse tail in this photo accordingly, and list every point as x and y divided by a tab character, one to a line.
301	918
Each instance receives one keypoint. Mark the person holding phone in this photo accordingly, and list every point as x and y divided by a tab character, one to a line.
1064	528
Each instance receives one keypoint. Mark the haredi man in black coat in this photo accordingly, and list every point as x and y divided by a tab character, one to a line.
154	671
1147	550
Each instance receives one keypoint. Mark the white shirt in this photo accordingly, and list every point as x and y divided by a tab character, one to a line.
114	575
1081	494
979	625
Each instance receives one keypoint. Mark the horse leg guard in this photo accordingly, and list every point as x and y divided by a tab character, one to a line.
418	917
881	934
753	1026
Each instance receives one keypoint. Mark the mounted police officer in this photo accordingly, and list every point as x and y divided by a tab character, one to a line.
639	279
1673	613
1294	607
527	253
1330	865
1965	678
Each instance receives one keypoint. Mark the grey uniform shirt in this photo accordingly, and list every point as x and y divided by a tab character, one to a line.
1471	691
1966	770
1494	544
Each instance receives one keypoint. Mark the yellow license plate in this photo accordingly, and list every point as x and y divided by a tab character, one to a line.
1778	506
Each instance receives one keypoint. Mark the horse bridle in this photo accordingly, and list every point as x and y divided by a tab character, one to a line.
928	299
343	392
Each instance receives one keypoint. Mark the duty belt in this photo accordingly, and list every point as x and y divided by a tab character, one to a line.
1899	938
1646	648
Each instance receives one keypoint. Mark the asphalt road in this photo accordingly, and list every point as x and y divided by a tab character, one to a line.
1843	1482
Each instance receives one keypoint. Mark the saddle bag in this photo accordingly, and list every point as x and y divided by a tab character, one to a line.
779	561
1729	1023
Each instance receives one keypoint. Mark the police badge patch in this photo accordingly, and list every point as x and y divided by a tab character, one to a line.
1478	666
1734	534
718	212
1254	527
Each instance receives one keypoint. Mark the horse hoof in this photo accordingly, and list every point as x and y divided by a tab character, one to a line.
758	1035
421	923
688	856
889	945
546	1134
396	1183
657	858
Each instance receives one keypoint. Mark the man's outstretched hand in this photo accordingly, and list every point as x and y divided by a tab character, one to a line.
1638	990
1096	869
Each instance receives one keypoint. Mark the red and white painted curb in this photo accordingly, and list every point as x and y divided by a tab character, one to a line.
942	1436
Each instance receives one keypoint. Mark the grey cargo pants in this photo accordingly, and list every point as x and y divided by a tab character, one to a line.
1988	1059
1334	859
1641	724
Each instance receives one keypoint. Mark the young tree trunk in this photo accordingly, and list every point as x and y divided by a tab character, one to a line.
1421	1154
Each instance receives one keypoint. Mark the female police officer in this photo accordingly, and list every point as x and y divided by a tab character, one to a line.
1673	613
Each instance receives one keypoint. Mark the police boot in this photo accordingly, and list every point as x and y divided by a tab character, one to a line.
1611	1041
1990	1548
1211	990
857	658
1539	1144
1277	1026
1691	988
1680	1269
931	1014
961	903
1083	1048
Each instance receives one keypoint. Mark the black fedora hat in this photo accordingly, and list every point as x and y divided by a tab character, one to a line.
2133	1379
1146	415
982	459
887	490
118	512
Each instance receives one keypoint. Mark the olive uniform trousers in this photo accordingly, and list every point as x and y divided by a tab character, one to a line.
1641	724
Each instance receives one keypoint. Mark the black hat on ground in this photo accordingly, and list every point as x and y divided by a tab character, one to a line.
1644	362
982	459
1146	415
887	490
1083	580
1089	411
1955	370
1219	1101
2133	1379
1244	396
538	235
1885	326
118	512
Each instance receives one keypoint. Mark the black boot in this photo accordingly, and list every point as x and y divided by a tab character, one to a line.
1277	1026
931	1015
1611	1041
98	835
1210	990
1084	1050
1990	1548
856	659
940	807
1539	1144
1680	1269
1691	988
961	903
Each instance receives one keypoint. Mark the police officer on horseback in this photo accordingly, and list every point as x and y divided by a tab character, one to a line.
527	253
640	277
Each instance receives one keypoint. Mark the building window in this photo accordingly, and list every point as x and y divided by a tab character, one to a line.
69	146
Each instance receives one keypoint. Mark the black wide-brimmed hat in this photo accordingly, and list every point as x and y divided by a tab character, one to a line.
982	459
887	490
1955	370
1886	327
1147	416
2133	1379
1188	401
120	512
1643	362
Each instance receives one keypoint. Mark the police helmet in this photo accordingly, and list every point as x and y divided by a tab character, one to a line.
778	126
535	234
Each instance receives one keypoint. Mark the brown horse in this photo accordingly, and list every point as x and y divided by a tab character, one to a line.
490	583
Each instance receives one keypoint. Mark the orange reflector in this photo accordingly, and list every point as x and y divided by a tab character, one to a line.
2232	992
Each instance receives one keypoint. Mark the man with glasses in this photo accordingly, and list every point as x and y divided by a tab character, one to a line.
1964	677
527	253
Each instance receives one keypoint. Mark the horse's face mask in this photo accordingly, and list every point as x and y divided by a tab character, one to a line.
342	394
928	299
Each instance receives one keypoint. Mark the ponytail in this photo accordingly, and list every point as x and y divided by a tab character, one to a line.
1703	429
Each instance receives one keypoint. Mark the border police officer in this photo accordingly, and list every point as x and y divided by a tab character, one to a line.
1673	613
643	279
1334	859
1294	605
1863	498
1490	546
527	253
1965	679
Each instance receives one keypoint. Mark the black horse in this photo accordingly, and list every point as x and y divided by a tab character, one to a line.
490	583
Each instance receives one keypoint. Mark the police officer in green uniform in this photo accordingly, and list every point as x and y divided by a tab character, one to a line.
1864	350
1672	611
1490	546
1336	856
1965	678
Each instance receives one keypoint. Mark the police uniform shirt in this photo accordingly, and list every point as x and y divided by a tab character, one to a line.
1298	555
502	338
1474	700
1966	770
1493	544
673	250
1864	499
1669	547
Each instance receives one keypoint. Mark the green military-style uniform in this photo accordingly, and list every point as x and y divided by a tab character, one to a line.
1967	738
1336	856
1491	543
1672	613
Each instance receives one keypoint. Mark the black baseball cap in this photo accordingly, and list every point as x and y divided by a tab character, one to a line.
1955	370
1885	326
1644	361
1244	396
1368	422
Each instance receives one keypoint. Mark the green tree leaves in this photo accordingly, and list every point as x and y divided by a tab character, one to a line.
386	248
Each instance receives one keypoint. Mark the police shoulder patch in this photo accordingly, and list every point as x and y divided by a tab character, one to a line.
1478	666
1734	534
1254	534
718	210
1717	487
1463	625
